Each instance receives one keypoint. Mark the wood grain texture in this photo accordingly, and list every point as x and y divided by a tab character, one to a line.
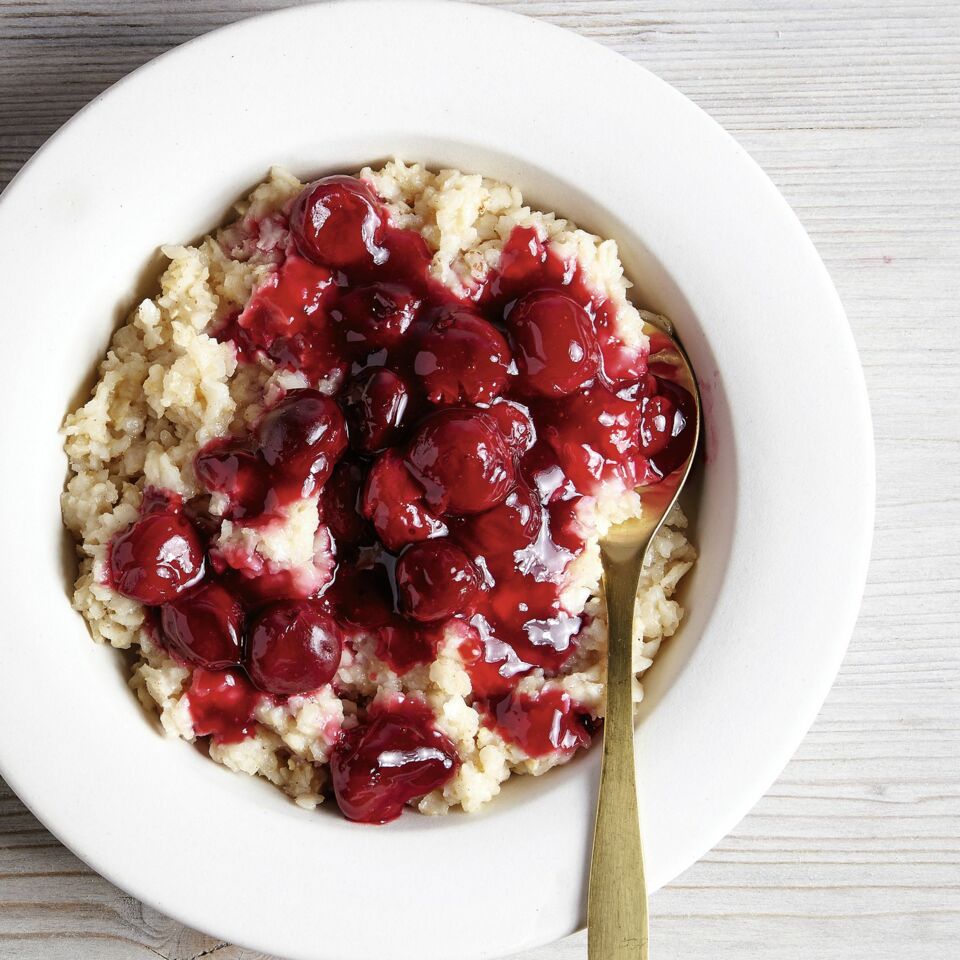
853	108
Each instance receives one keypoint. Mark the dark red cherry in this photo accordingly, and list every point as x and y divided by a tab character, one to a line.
462	358
375	406
381	765
338	221
666	426
286	318
363	596
498	533
462	459
554	343
515	423
222	705
340	502
375	317
436	580
394	502
302	437
205	627
293	647
156	558
231	467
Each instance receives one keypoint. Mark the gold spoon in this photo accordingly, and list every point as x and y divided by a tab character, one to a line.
617	901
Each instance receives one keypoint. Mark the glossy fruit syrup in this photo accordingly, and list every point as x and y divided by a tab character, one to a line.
451	441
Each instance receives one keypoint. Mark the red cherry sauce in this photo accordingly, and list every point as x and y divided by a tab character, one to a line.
285	321
450	441
542	724
222	705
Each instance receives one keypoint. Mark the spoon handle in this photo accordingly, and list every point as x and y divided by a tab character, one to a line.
617	901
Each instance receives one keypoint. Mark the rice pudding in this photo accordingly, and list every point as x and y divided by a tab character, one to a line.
341	484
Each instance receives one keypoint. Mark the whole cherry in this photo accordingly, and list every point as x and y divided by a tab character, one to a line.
156	558
394	502
462	358
338	221
393	758
435	580
302	437
462	460
293	647
555	344
205	627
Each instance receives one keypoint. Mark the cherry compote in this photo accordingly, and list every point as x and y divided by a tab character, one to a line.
450	442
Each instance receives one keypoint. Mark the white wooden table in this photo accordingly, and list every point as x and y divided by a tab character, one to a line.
853	108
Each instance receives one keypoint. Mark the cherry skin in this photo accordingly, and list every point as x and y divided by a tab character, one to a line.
302	437
362	596
205	627
436	580
381	765
555	345
375	317
232	468
222	705
395	503
286	320
497	534
462	358
293	647
156	558
337	221
462	460
375	407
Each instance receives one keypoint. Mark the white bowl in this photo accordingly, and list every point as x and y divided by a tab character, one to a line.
787	497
